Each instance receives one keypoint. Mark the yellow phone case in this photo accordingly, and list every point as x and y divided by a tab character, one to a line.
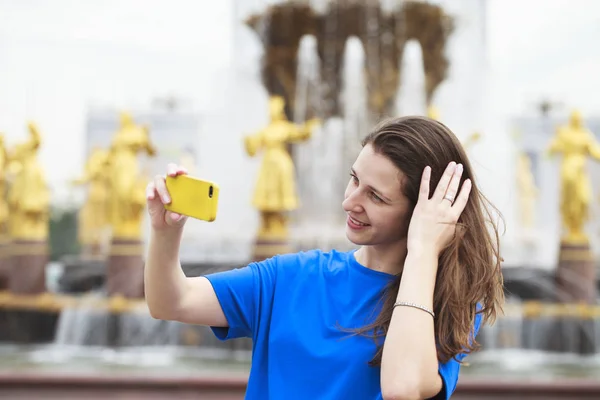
193	197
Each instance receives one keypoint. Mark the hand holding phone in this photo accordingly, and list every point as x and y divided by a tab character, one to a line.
168	210
157	196
193	197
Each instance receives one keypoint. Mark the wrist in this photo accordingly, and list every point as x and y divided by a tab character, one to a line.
423	252
418	281
421	266
168	234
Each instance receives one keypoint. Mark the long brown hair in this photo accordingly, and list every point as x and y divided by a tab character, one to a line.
469	278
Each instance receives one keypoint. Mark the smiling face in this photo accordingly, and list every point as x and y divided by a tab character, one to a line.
469	270
378	212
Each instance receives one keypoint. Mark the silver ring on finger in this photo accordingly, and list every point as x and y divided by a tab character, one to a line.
449	198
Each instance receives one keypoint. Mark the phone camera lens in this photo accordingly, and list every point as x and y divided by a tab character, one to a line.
210	191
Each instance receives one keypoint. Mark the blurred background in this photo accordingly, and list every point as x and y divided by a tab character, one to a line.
97	97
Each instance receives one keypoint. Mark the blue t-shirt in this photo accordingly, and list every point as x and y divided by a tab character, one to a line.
295	308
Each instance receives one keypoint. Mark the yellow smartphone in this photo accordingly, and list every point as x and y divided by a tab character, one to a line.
193	197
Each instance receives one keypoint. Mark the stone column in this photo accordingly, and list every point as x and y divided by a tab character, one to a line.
576	274
4	279
27	280
268	247
4	263
125	268
28	267
576	285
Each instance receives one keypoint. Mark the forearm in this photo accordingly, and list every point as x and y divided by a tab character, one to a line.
594	151
164	280
409	362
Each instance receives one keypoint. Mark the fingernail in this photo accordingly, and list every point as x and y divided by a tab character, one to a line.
459	168
166	198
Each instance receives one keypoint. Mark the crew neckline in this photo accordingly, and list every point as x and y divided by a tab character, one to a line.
364	269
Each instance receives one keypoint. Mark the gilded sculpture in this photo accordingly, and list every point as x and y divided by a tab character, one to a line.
94	225
576	144
4	163
127	184
29	195
433	112
275	191
290	21
527	190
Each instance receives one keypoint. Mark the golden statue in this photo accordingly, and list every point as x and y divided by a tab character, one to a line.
576	144
94	225
275	191
4	163
433	112
29	195
527	190
127	184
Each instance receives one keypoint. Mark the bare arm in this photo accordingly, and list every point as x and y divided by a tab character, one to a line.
253	143
593	146
300	133
171	295
409	366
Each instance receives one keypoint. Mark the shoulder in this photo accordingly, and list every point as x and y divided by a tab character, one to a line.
312	257
310	261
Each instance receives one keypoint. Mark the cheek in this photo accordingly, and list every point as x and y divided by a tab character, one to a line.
389	220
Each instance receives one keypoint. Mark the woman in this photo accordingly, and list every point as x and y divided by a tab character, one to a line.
390	320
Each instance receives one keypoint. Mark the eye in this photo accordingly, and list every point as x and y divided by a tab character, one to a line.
376	198
354	178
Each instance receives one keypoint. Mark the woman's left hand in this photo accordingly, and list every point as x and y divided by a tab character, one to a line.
433	222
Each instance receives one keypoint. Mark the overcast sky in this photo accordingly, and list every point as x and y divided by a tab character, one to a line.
59	56
536	47
546	48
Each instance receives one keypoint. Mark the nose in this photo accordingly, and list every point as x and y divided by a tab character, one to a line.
352	201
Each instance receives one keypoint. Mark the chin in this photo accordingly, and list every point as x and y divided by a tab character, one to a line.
357	239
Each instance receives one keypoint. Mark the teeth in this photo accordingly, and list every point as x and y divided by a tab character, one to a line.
357	223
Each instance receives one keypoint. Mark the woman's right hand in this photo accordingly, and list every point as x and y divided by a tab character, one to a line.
157	196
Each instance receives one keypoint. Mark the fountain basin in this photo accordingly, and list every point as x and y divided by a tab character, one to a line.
76	372
47	386
44	386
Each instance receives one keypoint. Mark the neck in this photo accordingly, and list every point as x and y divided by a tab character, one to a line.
384	258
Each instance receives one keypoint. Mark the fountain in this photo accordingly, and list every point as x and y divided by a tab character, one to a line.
411	94
347	64
89	326
299	40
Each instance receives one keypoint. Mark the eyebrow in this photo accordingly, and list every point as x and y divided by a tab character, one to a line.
384	197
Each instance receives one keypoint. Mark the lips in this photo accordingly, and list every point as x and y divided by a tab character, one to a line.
357	222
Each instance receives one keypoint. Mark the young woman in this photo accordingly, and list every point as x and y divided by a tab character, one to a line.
392	319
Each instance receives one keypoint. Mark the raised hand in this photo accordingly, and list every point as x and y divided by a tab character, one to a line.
157	196
433	222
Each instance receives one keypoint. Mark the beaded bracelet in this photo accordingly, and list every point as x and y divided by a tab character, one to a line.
413	305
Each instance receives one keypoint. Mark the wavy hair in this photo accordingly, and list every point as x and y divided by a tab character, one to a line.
469	277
